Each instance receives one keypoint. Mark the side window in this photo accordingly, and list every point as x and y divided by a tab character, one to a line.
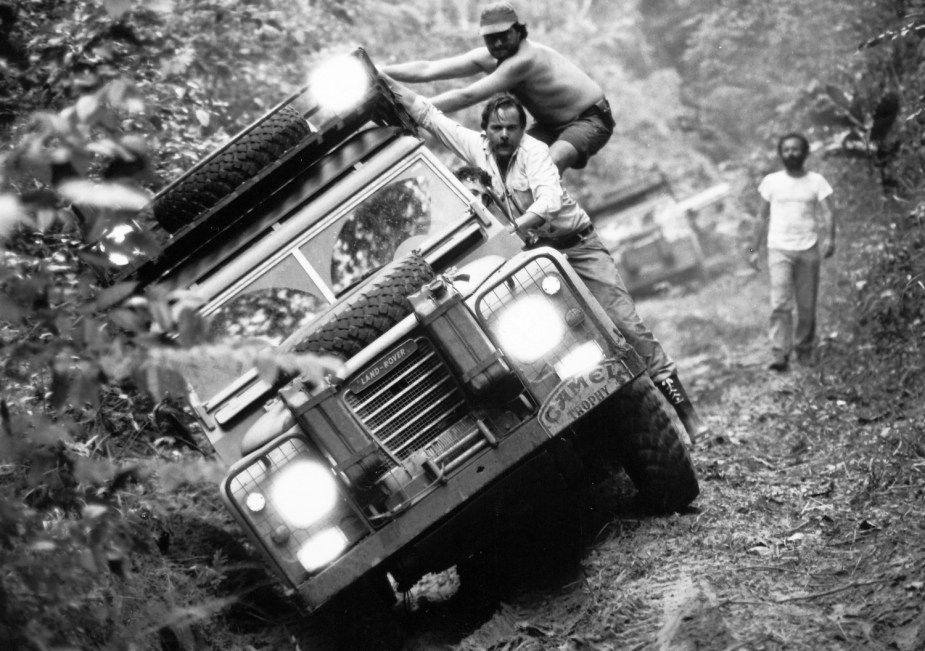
271	314
269	308
372	233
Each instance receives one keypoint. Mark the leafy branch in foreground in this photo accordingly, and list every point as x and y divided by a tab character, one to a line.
89	374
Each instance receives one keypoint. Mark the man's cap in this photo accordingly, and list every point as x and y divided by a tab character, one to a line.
497	17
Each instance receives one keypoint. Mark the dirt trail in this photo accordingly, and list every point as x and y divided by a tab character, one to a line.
804	535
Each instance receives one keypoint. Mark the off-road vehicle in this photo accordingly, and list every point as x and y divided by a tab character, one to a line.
654	237
478	376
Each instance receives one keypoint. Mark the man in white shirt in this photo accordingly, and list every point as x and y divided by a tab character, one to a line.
526	180
794	205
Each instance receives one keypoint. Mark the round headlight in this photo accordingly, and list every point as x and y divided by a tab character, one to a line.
303	493
529	328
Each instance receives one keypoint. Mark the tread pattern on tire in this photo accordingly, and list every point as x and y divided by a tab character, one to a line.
639	431
239	161
371	312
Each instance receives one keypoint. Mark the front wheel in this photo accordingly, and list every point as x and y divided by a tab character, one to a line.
635	426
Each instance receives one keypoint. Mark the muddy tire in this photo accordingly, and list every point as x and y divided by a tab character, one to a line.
635	426
372	312
240	161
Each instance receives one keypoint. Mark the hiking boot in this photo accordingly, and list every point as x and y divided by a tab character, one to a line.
674	392
779	363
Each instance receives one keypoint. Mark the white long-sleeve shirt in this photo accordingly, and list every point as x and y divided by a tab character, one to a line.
532	182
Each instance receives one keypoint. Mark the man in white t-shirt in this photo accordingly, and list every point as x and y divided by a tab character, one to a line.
795	205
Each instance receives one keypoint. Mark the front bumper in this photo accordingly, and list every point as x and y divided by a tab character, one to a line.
457	517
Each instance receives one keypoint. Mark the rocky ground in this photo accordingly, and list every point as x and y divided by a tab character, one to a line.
807	533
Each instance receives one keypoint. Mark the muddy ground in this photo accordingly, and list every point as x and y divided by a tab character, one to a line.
807	533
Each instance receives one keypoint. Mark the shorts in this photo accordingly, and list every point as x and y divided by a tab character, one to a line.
587	133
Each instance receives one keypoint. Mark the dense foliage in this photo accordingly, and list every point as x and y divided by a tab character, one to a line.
103	102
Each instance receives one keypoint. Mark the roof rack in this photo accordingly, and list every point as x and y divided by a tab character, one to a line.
329	129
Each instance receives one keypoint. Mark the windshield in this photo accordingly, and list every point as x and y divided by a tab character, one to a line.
312	272
373	232
387	224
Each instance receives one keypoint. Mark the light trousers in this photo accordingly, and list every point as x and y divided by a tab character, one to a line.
794	290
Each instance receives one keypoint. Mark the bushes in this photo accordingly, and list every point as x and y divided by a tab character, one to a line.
892	306
79	426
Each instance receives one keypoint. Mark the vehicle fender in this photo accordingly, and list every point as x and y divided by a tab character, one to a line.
473	275
275	422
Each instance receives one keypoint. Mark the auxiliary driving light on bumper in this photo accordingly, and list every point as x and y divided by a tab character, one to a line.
322	548
579	359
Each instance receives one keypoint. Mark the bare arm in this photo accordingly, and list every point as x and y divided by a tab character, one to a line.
461	65
828	226
760	233
506	76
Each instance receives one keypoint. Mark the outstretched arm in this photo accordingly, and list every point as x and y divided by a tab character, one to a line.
504	78
464	142
461	65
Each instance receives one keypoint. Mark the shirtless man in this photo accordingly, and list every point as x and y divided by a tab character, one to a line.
569	110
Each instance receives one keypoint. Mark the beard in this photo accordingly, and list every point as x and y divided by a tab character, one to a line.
794	163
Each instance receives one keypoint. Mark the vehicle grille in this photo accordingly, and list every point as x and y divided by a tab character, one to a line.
417	410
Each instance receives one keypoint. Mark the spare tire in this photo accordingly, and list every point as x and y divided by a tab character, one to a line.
371	312
239	161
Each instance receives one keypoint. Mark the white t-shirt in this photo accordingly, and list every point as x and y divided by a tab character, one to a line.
794	208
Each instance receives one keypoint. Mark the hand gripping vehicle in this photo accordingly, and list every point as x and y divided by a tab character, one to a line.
478	376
